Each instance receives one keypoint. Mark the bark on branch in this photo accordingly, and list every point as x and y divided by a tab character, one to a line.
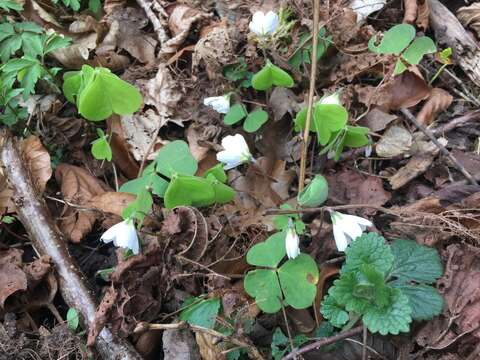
47	240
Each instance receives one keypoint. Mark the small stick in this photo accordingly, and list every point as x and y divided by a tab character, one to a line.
442	148
327	208
311	91
157	25
322	342
364	345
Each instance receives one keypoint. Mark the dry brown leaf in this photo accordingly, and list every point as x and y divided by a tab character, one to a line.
438	101
410	11
78	187
395	141
121	155
37	160
283	101
12	277
423	13
111	202
377	120
469	16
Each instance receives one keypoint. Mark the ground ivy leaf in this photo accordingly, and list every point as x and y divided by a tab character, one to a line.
327	119
236	113
425	300
415	262
342	291
255	120
175	157
201	312
394	41
298	279
368	249
262	284
269	252
334	312
390	320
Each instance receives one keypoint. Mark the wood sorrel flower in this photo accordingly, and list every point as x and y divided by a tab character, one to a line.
346	228
264	24
123	235
236	151
292	241
220	104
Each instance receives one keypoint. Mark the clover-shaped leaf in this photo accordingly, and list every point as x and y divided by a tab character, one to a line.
255	120
394	41
262	284
298	279
101	149
175	157
268	253
327	119
315	193
236	113
271	75
189	191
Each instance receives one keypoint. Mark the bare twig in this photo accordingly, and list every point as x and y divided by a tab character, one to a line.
252	350
311	93
46	240
337	207
442	148
157	25
322	342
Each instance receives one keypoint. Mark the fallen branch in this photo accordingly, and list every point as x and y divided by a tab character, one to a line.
252	350
442	148
322	342
47	240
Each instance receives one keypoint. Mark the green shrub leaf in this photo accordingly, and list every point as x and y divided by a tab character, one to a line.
200	312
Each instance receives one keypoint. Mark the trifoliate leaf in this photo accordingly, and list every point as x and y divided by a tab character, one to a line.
263	285
150	180
415	262
255	120
268	253
333	312
201	312
101	149
421	46
368	249
175	157
236	113
315	194
394	41
393	319
298	279
185	190
328	119
269	76
425	300
281	222
356	136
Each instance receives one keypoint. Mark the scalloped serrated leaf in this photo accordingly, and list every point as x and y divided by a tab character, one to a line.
333	312
425	300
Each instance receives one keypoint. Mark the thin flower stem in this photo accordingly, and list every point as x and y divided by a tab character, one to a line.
311	91
331	208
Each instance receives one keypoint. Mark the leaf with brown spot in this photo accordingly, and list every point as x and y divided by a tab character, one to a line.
438	101
78	187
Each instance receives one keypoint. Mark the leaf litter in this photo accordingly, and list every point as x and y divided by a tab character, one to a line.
177	54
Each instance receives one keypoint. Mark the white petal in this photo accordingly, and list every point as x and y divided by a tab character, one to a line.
331	99
363	8
256	25
340	238
111	233
220	104
292	243
123	235
229	158
270	23
359	220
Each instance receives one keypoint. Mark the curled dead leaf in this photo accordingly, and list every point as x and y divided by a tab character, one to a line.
438	101
469	16
12	277
423	14
410	14
37	160
395	141
111	202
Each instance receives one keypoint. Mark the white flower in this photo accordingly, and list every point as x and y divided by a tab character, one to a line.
123	235
264	24
236	151
292	242
346	228
333	99
363	8
220	104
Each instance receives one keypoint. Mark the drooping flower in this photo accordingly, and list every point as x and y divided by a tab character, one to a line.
220	104
123	235
346	228
264	24
236	151
292	241
333	99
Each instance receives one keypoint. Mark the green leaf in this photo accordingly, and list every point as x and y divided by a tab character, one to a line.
236	113
9	47
223	193
71	85
300	120
356	136
6	30
420	47
185	190
280	222
415	262
368	249
201	312
8	5
175	157
333	311
391	320
445	55
425	300
302	55
101	149
327	119
315	194
106	94
269	76
298	279
218	172
94	6
140	207
263	285
55	42
32	44
394	41
279	344
150	180
268	253
72	319
255	120
29	77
